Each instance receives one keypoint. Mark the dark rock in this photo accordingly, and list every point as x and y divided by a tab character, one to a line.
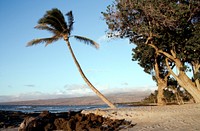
10	119
59	123
70	125
49	127
70	121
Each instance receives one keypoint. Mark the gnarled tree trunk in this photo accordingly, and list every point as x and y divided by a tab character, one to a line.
160	97
87	81
161	83
182	78
184	81
196	67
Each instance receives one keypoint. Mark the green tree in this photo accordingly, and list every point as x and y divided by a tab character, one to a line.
153	65
171	28
54	22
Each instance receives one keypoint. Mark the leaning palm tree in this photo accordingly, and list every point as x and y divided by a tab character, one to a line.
54	22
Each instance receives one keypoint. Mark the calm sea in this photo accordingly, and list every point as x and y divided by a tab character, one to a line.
52	109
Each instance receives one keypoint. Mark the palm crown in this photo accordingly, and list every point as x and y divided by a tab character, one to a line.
54	22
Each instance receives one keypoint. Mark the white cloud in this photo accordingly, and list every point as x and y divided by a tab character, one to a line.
103	38
75	90
75	87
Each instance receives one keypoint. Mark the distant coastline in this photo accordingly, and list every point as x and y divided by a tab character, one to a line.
86	100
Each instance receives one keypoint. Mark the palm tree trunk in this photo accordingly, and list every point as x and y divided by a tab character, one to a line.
111	105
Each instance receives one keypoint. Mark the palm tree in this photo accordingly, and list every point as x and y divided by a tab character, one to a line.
54	22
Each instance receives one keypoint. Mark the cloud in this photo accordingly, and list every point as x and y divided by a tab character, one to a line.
106	38
31	96
75	87
6	98
103	38
31	85
75	90
124	84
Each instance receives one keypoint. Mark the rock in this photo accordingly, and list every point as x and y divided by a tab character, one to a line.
40	123
25	123
10	119
69	121
58	122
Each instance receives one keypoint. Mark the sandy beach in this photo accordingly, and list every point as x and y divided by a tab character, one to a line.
153	118
157	118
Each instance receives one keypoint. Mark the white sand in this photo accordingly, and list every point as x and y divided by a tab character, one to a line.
157	118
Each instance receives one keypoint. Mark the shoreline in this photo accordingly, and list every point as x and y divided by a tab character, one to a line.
152	118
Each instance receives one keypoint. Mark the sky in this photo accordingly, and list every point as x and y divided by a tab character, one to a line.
40	72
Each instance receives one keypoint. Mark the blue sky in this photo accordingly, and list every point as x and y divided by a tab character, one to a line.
40	72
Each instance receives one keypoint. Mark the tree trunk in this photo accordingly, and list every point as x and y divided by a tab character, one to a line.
186	83
178	97
101	96
184	80
161	83
195	68
160	97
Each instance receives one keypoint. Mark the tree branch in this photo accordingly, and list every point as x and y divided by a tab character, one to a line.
156	68
173	53
170	70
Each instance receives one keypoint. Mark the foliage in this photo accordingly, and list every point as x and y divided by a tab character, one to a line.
152	98
160	29
170	96
54	22
169	22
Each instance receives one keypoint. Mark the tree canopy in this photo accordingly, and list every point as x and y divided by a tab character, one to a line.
164	31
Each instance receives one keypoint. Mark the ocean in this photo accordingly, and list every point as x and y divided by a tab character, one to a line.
50	108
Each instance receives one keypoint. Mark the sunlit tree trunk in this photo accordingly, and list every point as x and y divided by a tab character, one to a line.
184	81
110	104
161	83
181	78
178	97
195	68
160	97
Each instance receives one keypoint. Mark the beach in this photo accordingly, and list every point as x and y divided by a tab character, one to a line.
153	118
157	118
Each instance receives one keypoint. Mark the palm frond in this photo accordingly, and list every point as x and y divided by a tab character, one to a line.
57	14
43	40
55	19
87	41
70	21
51	22
46	27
